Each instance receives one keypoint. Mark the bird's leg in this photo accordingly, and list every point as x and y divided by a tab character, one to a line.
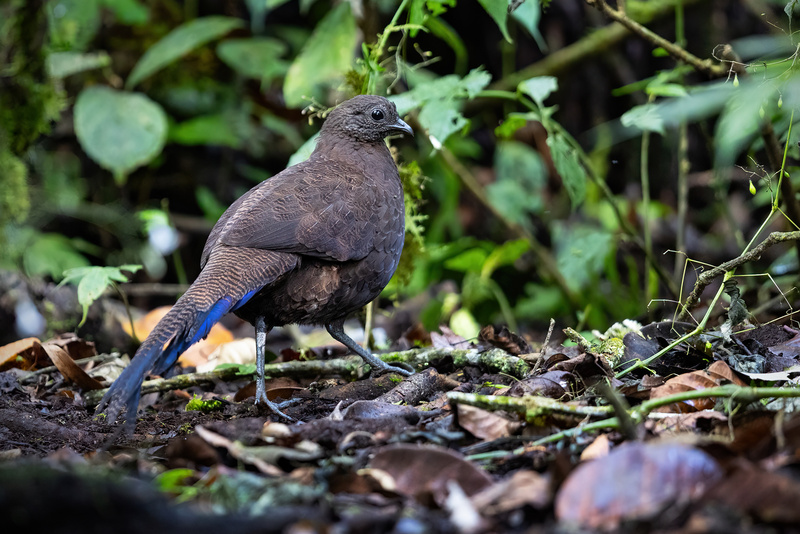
336	330
261	355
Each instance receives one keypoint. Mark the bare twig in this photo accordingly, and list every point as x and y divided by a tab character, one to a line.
707	66
708	276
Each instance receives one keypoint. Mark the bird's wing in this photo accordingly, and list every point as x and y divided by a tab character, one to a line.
306	209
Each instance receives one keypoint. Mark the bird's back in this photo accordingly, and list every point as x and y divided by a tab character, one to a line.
343	217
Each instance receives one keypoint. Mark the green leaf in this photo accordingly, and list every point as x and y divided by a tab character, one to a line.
581	252
740	120
789	8
212	208
131	12
645	117
119	130
440	100
324	59
463	323
217	129
539	88
73	23
528	14
180	42
498	10
474	82
572	172
51	255
505	254
470	260
509	126
93	281
520	177
258	57
442	119
63	64
666	89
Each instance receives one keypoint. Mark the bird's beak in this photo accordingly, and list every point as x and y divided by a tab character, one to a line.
401	126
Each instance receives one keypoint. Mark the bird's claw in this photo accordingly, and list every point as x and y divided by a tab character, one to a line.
401	368
261	397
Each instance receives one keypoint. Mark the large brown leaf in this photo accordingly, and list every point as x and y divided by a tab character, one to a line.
635	481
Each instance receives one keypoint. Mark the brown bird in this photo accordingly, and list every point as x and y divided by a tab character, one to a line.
310	245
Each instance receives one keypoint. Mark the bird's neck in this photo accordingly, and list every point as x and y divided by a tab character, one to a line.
353	151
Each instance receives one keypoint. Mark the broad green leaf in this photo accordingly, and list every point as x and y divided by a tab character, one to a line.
528	14
505	254
119	130
272	4
498	10
211	206
131	12
508	127
51	255
645	117
73	23
440	119
474	82
520	176
258	13
217	129
581	252
324	59
470	260
63	64
666	89
440	100
180	42
463	323
93	281
572	172
258	57
789	8
740	120
539	88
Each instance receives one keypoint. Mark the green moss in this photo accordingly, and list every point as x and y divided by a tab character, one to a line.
14	194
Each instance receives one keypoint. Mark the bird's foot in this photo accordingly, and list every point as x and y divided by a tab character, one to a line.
380	367
261	397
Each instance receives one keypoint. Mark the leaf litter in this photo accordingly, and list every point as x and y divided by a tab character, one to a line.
705	440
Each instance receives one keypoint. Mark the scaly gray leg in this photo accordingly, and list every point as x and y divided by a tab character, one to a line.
336	329
261	355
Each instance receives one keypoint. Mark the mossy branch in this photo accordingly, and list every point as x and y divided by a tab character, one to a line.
534	409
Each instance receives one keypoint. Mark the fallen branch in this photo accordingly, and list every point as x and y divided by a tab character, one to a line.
495	360
535	408
708	276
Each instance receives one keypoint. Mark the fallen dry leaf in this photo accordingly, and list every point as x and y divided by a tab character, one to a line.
485	424
69	369
522	488
22	354
195	355
423	472
638	481
716	374
599	448
770	496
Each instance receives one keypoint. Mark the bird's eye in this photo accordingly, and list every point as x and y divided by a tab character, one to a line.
377	115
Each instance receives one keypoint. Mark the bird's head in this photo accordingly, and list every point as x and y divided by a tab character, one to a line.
366	118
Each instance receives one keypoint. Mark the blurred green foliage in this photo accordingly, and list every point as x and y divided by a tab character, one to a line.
528	230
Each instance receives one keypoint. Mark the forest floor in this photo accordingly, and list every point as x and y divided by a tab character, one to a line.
487	436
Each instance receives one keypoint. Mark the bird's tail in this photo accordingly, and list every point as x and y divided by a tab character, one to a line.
220	288
184	325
